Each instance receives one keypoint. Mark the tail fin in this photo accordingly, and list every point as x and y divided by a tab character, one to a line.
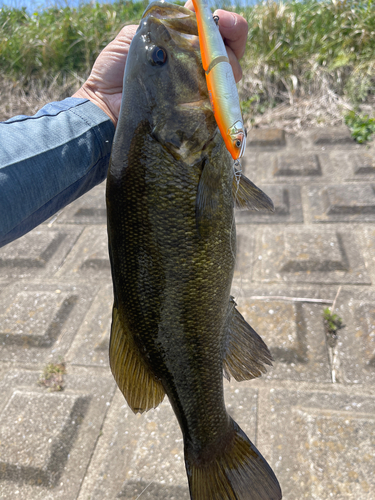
237	472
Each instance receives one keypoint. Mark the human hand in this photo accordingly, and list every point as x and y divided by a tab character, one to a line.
104	85
233	29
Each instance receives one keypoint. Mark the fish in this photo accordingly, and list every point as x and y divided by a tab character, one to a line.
171	192
221	84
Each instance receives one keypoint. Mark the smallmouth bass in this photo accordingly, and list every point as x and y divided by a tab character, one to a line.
171	193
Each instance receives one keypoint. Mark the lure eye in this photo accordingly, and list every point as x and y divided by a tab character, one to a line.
158	56
238	143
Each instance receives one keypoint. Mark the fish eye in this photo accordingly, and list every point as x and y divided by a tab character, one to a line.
158	56
238	143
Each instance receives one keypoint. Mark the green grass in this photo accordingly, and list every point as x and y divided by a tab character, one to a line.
332	323
300	48
295	48
61	41
361	127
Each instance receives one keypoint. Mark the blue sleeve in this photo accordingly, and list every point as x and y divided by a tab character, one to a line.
48	160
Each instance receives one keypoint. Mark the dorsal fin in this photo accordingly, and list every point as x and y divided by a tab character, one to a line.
142	390
247	196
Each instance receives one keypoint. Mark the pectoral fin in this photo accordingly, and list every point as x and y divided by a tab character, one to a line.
247	196
207	196
245	352
141	389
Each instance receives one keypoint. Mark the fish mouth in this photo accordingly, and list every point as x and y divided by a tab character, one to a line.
176	18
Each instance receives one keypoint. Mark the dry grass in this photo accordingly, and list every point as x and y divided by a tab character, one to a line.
322	110
16	98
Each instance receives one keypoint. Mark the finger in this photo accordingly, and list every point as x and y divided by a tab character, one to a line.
234	29
230	26
189	5
125	36
236	67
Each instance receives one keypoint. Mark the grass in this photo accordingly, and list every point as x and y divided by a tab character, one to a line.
332	323
362	127
52	376
61	41
318	55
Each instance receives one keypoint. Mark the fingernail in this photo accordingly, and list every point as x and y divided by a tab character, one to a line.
226	19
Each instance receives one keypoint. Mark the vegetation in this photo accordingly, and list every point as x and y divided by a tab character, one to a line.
291	44
332	323
362	127
52	376
296	49
60	40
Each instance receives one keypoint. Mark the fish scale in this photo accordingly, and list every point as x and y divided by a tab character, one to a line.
172	305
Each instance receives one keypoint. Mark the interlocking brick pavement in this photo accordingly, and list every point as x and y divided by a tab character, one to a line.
312	415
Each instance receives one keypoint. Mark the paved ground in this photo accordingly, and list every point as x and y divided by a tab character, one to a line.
312	416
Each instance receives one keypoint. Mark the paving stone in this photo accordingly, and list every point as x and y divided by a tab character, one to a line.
46	439
363	163
324	444
38	321
340	166
291	164
287	203
89	257
91	344
245	253
27	453
332	136
296	166
266	137
39	252
356	340
342	203
89	209
55	304
369	250
308	255
136	452
292	333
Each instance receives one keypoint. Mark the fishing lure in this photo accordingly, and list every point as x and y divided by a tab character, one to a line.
221	85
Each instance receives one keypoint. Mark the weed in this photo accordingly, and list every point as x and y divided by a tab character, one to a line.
332	323
52	376
361	127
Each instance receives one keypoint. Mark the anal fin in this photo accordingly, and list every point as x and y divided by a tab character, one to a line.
142	390
245	354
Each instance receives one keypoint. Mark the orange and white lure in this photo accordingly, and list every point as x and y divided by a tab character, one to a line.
221	84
